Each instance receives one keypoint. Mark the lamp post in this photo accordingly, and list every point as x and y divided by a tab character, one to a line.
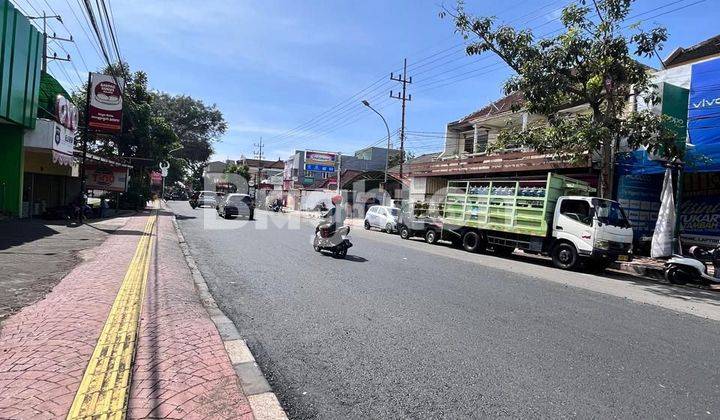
165	169
387	153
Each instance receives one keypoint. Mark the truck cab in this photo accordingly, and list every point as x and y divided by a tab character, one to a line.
589	227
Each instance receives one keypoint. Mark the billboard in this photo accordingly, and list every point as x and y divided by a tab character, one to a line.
105	103
675	108
108	178
320	161
639	194
700	208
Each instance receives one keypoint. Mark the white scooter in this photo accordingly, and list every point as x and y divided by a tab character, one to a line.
335	241
683	270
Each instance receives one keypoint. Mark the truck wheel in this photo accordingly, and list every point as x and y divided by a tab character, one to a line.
404	232
431	236
565	256
471	241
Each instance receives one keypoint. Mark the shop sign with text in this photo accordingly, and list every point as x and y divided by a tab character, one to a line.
108	178
320	161
105	103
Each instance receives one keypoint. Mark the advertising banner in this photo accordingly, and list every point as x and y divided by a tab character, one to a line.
105	103
108	178
704	107
675	108
156	178
640	197
320	161
700	208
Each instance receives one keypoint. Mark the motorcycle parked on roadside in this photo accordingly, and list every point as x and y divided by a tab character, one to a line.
682	270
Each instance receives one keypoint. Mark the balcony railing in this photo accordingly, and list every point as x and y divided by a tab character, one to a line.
523	161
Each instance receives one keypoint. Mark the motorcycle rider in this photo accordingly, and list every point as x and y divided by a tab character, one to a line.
335	216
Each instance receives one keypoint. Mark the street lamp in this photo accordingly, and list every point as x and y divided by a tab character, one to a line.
387	153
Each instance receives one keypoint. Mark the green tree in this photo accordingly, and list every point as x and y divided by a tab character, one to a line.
394	160
145	139
593	62
242	170
196	124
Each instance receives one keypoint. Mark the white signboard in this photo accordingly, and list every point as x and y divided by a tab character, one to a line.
52	136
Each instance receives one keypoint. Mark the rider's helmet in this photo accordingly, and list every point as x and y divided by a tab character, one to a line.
337	199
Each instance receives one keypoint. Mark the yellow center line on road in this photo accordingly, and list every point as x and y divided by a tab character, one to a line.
105	386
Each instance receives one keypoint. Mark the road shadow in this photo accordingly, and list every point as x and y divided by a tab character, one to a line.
351	258
19	232
657	286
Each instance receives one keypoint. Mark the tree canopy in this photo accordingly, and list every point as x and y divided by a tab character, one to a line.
593	62
154	124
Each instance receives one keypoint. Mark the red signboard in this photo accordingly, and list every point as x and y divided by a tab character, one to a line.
108	178
105	103
156	178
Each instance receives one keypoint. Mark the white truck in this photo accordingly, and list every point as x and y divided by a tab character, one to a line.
555	217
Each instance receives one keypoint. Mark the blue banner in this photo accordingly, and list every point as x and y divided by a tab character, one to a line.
319	168
700	208
704	104
639	196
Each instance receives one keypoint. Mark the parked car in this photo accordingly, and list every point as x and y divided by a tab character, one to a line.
382	217
236	205
204	198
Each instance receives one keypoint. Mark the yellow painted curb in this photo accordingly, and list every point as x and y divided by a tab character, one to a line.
105	386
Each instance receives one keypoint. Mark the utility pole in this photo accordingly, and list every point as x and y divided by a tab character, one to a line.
402	78
259	156
54	36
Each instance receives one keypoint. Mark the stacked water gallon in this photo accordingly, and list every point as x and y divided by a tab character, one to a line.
532	191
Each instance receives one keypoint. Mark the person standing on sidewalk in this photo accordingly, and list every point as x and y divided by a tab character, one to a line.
103	207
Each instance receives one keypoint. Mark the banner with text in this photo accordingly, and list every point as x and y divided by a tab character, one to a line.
105	103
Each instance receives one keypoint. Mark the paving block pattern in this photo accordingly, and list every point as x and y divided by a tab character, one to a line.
182	369
45	348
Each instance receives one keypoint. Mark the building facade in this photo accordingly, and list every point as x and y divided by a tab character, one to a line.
20	64
689	86
467	152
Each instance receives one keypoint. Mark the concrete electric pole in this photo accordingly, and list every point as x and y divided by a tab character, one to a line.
402	78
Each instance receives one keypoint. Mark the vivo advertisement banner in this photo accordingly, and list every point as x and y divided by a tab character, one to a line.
704	118
704	107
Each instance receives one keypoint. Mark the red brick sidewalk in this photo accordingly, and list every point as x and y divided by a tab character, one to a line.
181	368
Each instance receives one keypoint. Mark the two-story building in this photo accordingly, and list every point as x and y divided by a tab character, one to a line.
689	86
465	152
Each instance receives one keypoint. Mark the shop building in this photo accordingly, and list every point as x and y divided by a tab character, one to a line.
20	63
689	86
51	173
466	152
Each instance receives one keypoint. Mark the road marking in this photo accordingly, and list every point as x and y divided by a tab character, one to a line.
105	386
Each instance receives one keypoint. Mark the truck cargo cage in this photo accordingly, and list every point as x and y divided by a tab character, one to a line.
522	206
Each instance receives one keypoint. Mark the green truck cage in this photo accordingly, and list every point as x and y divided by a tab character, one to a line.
514	206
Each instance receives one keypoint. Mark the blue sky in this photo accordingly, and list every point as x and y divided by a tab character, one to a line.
273	65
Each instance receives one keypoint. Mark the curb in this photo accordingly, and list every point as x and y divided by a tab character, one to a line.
654	273
263	402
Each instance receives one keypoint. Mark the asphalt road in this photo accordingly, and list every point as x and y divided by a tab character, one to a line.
397	331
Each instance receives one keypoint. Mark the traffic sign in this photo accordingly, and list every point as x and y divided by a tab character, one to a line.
164	166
